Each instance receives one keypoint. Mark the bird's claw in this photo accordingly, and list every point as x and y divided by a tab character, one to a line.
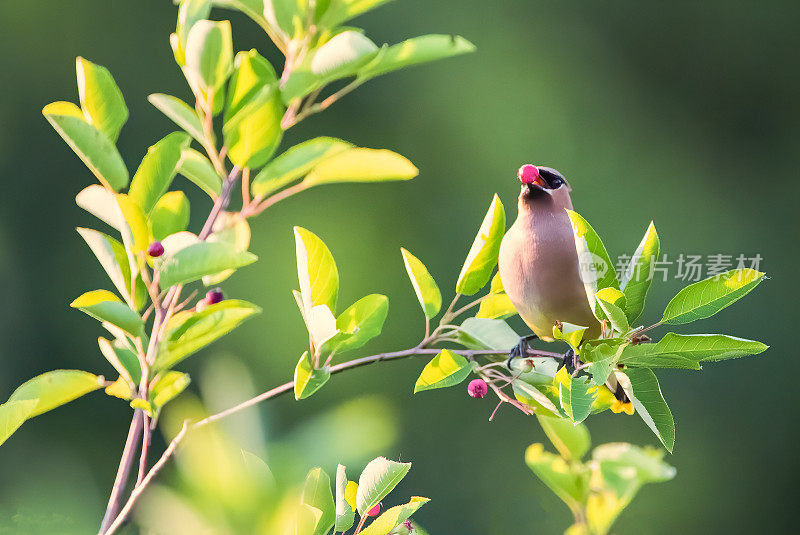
520	350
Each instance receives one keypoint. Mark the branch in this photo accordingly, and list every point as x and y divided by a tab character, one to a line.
123	472
270	394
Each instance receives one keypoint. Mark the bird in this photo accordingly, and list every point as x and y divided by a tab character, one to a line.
538	260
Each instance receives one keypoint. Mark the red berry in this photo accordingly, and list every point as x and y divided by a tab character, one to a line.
375	511
477	388
528	173
156	249
214	296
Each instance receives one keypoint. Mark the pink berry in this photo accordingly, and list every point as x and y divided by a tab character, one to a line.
408	525
214	296
528	173
156	249
375	511
477	388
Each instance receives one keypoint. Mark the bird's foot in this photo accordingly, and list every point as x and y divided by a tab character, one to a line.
570	362
521	349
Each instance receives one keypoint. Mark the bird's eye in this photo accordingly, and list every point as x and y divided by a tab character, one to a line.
556	182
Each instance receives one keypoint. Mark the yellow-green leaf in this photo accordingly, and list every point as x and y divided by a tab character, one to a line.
316	270
101	100
482	256
444	370
307	379
90	144
428	294
159	166
56	388
596	270
295	163
637	277
105	306
361	165
395	516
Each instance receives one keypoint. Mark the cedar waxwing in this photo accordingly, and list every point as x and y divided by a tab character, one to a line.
538	261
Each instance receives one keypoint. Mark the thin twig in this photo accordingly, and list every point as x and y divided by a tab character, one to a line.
269	201
125	464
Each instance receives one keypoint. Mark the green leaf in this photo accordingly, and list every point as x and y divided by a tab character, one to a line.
316	270
482	256
307	379
112	257
444	370
189	12
362	321
122	359
317	494
414	51
575	394
295	163
571	334
55	388
646	464
157	170
253	134
496	306
570	482
688	350
199	170
209	53
345	515
121	388
105	306
135	234
612	302
342	56
233	229
378	479
187	332
480	333
340	11
167	387
169	215
707	297
572	441
428	294
596	270
639	274
12	415
180	113
101	100
90	144
395	516
602	357
361	165
542	398
645	394
101	203
251	73
204	258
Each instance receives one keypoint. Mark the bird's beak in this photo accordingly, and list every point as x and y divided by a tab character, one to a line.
537	187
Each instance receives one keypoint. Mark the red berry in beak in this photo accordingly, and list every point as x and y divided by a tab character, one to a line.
529	174
375	511
214	296
477	388
156	249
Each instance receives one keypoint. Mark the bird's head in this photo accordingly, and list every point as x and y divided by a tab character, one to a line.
543	187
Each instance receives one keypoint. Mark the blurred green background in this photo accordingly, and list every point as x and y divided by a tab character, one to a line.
682	112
